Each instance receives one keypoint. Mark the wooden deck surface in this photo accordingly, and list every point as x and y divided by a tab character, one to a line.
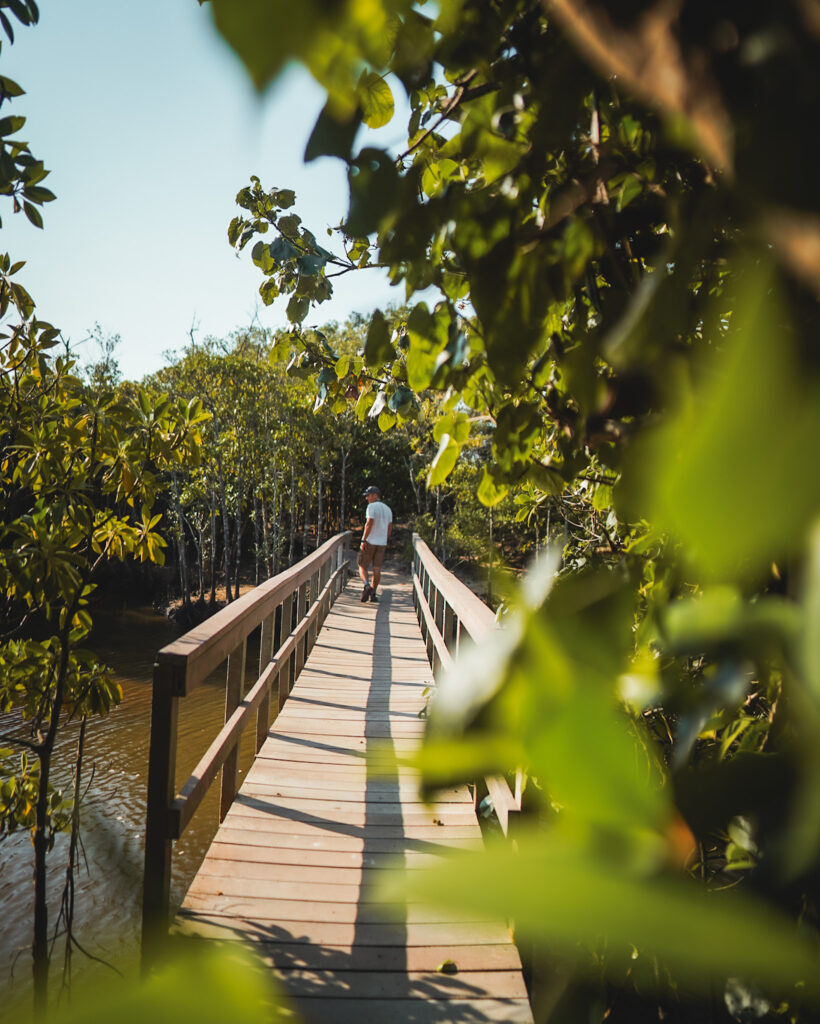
293	866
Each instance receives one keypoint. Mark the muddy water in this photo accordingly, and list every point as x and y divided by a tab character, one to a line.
109	883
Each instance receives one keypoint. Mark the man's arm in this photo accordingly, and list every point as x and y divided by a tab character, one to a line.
368	526
389	529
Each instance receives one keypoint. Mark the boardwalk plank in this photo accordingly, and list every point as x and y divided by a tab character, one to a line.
320	934
353	859
500	957
452	1011
383	984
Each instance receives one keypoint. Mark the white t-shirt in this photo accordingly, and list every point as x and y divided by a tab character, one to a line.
382	517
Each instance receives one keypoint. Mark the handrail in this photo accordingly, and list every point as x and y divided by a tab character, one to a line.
290	608
447	609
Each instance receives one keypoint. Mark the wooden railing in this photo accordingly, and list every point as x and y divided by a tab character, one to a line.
450	613
290	608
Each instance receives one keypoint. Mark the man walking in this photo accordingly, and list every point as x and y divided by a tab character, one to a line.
377	529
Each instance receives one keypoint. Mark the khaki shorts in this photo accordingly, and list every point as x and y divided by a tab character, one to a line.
371	554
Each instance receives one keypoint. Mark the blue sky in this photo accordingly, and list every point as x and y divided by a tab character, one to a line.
150	127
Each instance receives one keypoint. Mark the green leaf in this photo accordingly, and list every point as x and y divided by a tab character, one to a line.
310	264
365	402
10	125
38	194
386	420
10	88
269	290
715	475
332	136
202	985
281	249
289	225
444	461
262	34
489	492
376	99
631	189
436	173
374	188
377	348
561	895
297	309
444	425
810	639
401	401
284	198
602	498
33	214
235	230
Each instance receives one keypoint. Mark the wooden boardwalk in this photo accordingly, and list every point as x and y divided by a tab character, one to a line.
294	865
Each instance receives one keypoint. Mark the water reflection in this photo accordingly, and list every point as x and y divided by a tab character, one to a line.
108	887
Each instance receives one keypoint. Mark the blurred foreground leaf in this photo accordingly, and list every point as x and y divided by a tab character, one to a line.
209	987
547	683
559	893
717	473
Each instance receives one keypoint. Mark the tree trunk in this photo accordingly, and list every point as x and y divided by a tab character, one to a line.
213	545
40	839
226	530
185	584
342	492
320	521
74	846
292	548
306	521
275	541
196	537
257	539
266	540
439	539
39	947
414	485
238	560
490	562
201	553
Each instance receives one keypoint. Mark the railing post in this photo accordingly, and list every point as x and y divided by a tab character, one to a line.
434	608
327	599
301	648
265	651
233	696
335	564
438	611
286	671
161	771
449	629
313	630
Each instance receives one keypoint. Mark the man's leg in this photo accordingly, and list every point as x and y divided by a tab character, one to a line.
363	562
378	558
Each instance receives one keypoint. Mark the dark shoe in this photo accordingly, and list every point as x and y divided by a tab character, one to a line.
366	592
373	596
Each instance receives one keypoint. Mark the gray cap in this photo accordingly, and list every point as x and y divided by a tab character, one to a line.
371	490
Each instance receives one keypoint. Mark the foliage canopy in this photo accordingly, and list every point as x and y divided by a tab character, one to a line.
615	206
